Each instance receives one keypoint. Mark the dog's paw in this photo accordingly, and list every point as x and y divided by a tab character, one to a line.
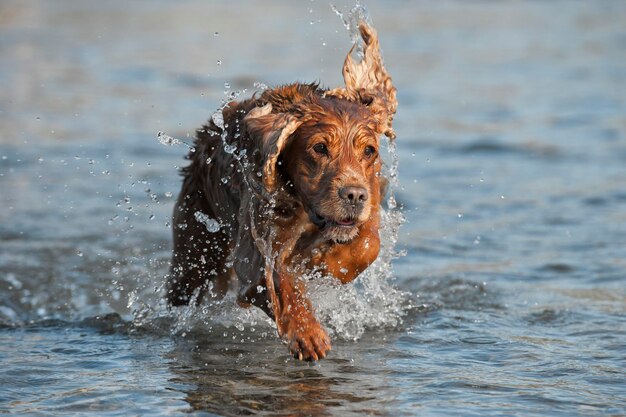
308	342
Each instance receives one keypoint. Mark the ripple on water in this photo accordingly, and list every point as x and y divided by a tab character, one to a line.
561	268
516	307
459	294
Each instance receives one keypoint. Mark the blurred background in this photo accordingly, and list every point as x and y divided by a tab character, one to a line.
512	178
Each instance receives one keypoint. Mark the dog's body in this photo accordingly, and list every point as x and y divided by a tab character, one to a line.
289	183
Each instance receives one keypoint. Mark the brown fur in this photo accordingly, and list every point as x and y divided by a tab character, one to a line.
300	192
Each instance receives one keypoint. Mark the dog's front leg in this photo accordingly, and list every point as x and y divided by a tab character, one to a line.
296	323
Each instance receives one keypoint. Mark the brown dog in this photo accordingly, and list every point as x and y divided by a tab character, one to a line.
287	183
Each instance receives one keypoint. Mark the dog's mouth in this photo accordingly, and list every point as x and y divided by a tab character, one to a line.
326	222
348	222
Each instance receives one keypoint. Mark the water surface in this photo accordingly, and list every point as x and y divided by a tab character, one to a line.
510	294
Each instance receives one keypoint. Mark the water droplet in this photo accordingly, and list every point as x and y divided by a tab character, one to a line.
216	34
79	253
219	62
218	119
212	225
167	140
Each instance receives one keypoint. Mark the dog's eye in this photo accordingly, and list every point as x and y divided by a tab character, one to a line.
369	151
320	148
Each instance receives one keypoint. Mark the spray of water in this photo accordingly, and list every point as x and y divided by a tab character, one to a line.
346	310
371	301
167	140
351	20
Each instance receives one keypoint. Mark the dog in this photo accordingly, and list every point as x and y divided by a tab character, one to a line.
284	184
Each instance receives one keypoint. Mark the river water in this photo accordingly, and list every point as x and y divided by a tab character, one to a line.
505	293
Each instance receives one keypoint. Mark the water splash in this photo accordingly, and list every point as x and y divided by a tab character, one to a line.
212	225
371	301
260	86
351	21
345	310
167	140
218	118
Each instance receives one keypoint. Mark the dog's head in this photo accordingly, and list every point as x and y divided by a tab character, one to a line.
324	147
332	164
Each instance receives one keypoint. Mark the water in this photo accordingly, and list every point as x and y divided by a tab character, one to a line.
512	171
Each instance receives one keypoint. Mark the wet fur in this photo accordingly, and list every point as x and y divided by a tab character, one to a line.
282	205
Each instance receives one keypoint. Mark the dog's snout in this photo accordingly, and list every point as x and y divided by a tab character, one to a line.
353	195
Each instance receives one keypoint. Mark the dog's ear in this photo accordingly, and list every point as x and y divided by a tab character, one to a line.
368	82
270	131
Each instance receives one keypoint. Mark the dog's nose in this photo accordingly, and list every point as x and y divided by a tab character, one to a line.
353	194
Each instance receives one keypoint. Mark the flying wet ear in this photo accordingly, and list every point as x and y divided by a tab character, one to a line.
271	131
368	82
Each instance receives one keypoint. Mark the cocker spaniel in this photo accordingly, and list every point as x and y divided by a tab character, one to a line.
282	184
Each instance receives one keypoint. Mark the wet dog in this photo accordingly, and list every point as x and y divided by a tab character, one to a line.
281	185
